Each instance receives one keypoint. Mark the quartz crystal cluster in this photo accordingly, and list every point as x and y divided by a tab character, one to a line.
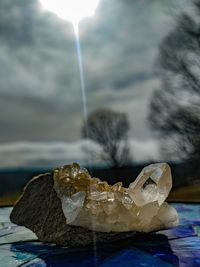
90	203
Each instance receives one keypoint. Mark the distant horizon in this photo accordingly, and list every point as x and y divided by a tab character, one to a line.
39	154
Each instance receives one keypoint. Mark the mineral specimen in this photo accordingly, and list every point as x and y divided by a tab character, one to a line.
68	206
95	205
40	210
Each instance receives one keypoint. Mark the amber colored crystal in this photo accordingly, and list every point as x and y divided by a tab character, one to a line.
96	205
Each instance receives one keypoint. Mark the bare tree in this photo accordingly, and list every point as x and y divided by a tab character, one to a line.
175	108
109	129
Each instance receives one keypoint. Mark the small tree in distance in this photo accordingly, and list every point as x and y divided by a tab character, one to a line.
109	129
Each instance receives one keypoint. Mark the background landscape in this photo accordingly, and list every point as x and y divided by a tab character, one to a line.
41	113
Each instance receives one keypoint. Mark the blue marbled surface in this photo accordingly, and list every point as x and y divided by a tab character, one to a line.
179	246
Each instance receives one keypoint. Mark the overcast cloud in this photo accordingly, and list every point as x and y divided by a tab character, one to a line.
40	97
51	154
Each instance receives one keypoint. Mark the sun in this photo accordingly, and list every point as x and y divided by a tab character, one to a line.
71	10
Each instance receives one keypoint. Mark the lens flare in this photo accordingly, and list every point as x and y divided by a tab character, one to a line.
71	10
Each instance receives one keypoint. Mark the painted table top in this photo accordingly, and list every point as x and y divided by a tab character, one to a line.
175	247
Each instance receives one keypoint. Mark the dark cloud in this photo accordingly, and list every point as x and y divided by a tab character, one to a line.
40	95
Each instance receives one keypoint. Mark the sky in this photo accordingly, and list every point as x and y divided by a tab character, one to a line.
40	97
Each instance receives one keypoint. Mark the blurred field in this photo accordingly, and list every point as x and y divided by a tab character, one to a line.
9	199
190	193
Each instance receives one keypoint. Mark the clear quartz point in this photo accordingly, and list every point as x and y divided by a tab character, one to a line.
72	205
152	184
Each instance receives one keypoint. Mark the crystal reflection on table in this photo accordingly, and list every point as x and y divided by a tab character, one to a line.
179	246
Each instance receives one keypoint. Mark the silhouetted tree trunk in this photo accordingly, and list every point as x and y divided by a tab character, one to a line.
109	129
